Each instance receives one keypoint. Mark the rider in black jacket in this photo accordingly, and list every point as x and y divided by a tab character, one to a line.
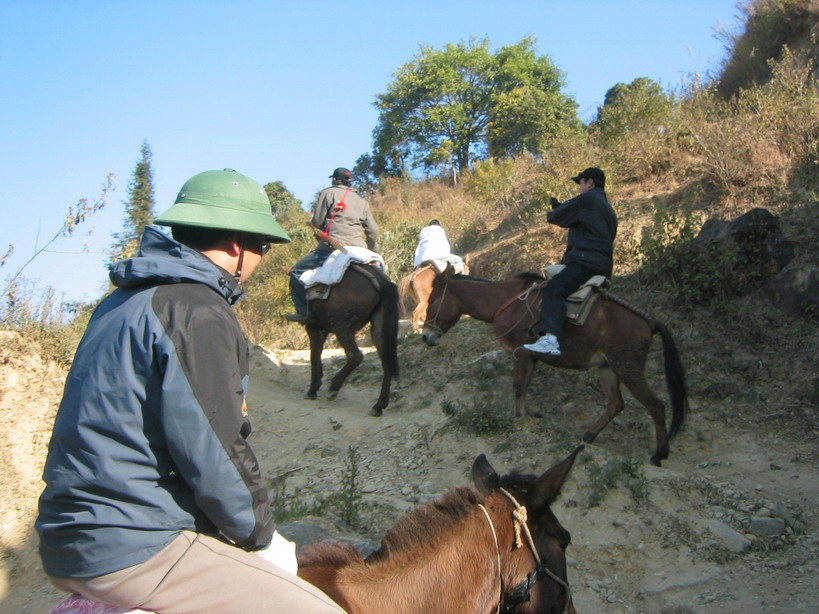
592	226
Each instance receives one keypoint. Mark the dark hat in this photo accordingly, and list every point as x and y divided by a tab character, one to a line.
342	173
595	174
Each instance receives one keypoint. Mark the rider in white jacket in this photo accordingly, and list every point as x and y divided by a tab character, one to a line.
433	245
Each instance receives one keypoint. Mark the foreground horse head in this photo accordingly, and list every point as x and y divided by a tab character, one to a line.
364	295
497	547
616	339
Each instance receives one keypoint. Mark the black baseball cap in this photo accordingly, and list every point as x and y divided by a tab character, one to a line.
341	173
595	174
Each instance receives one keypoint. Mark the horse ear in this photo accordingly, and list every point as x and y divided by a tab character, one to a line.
546	488
485	477
449	271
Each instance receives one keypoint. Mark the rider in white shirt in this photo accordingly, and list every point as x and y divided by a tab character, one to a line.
433	245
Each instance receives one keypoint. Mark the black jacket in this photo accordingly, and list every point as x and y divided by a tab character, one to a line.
592	226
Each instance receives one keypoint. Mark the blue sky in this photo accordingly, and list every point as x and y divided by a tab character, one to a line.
278	90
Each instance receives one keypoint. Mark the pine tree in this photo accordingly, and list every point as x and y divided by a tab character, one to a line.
139	209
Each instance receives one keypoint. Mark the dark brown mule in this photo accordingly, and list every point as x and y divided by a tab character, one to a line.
415	288
497	548
352	303
615	338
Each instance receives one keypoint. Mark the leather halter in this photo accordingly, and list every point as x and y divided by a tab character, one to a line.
519	593
432	323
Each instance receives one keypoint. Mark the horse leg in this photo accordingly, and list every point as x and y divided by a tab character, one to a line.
639	388
610	384
317	338
524	368
354	358
377	333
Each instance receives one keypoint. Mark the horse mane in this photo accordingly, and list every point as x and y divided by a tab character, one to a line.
329	552
470	278
528	275
425	524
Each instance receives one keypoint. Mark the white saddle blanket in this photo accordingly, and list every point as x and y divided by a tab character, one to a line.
336	264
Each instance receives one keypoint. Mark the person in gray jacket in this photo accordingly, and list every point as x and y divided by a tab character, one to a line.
340	214
153	496
592	226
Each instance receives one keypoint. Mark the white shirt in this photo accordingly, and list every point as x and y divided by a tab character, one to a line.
432	243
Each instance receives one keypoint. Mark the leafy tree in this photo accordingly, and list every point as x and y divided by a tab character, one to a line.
527	119
281	199
439	109
640	108
139	209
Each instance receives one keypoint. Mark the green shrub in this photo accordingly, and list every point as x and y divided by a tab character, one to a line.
624	471
482	416
286	507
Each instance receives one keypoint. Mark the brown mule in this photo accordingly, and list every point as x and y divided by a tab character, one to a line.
615	338
415	288
495	548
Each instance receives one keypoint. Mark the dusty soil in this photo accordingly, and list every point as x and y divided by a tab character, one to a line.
687	537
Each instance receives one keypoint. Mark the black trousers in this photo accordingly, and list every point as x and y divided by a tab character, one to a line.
553	298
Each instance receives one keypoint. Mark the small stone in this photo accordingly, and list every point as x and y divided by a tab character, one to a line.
766	527
728	537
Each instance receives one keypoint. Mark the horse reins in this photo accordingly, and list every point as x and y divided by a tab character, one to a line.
524	296
521	526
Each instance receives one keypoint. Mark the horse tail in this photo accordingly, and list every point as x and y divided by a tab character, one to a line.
405	293
389	313
674	378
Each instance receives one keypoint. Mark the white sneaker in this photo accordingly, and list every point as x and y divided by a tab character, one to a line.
547	344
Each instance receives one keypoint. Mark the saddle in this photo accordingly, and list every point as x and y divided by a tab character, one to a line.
319	291
579	303
319	281
439	265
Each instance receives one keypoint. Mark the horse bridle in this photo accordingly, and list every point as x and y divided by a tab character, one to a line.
519	593
431	323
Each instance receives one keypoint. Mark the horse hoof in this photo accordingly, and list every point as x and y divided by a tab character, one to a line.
312	396
657	462
589	437
333	394
375	411
535	414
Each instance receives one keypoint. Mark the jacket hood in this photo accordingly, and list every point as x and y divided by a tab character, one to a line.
162	260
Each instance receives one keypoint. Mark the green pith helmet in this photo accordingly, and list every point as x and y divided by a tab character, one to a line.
227	200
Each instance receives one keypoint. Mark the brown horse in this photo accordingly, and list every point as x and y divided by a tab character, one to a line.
365	294
615	338
416	288
497	548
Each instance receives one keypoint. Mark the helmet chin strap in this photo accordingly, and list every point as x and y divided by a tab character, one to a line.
238	272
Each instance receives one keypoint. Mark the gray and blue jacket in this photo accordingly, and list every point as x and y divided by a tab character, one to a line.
151	435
